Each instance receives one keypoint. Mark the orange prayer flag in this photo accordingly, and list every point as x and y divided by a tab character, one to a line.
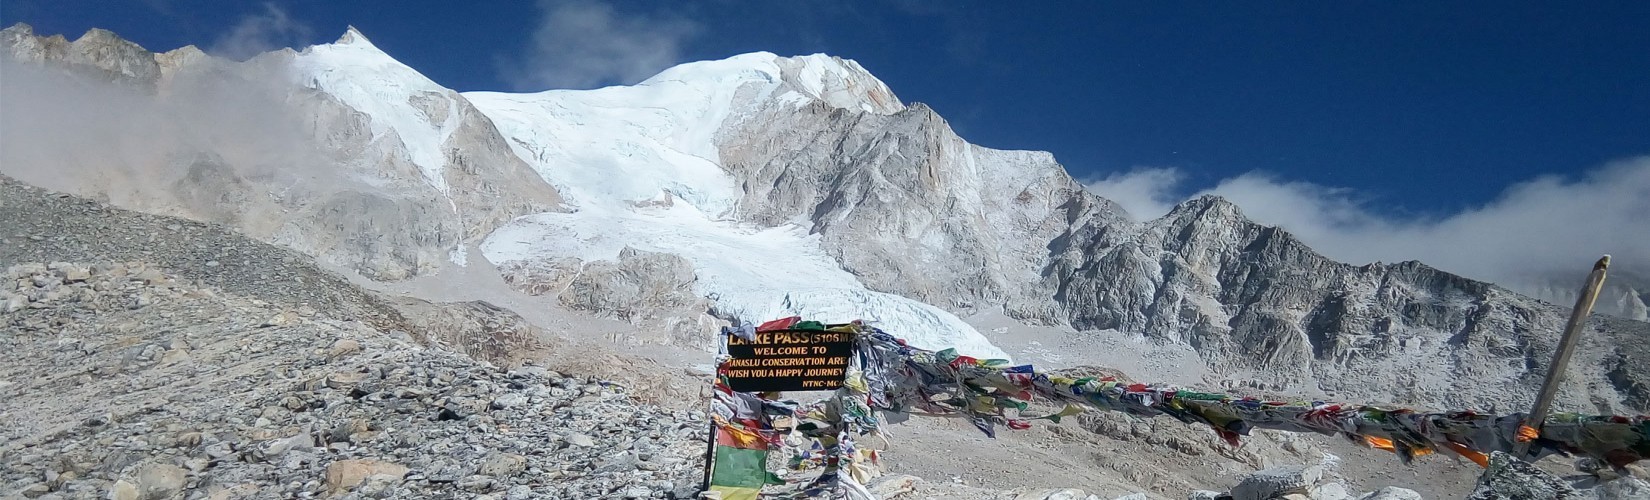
1460	449
1380	443
1527	434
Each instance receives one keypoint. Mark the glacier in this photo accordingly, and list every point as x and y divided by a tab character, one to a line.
639	167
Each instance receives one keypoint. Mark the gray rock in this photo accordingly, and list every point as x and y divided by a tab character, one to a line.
1276	482
1053	494
1333	490
477	484
344	475
895	485
345	380
622	463
220	450
124	490
1509	478
161	481
1623	488
14	303
519	492
509	400
188	439
1391	493
274	448
378	485
581	440
503	465
35	490
344	347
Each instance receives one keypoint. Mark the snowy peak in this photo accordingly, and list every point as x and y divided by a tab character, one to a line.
838	82
842	83
420	113
354	51
353	36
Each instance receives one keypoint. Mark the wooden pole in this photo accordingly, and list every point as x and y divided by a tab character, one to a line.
710	411
710	446
1566	346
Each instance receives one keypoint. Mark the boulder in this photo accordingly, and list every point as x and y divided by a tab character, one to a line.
504	465
1277	482
123	490
161	481
1624	488
895	485
1508	478
343	475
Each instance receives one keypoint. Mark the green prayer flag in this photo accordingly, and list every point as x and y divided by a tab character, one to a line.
739	473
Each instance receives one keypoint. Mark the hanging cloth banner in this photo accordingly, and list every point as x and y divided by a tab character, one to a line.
741	466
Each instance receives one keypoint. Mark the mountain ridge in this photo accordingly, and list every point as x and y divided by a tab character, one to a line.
886	202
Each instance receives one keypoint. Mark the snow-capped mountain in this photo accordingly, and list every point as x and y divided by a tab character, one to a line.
759	186
641	168
423	175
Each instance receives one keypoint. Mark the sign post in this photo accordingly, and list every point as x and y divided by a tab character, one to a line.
775	360
710	412
789	360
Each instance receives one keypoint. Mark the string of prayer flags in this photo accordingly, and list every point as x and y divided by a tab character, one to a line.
886	380
907	379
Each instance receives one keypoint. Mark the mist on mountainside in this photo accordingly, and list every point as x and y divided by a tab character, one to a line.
75	132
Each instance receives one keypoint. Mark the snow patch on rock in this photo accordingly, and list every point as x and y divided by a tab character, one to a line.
369	80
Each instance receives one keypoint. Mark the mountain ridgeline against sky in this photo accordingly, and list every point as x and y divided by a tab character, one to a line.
754	187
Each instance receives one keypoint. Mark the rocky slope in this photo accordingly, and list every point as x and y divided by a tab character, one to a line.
154	357
125	381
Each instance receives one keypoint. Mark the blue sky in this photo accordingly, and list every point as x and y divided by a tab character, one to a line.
1375	117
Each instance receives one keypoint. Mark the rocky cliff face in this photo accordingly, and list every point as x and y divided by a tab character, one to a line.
910	208
99	54
1256	302
907	205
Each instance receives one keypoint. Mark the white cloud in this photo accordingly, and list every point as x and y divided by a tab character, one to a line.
584	44
1539	236
258	33
1145	192
104	139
